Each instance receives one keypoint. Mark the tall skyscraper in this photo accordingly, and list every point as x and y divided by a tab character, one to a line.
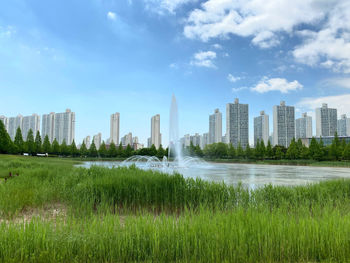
155	131
47	127
215	127
13	124
59	126
344	126
237	123
30	123
283	124
4	119
115	121
204	140
326	121
261	128
64	127
127	140
195	139
97	139
303	127
87	141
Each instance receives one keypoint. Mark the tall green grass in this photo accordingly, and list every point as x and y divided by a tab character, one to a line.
130	215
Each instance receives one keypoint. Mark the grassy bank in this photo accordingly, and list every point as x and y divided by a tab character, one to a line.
122	215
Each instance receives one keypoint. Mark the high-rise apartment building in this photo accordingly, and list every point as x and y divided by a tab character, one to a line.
64	127
344	126
97	139
195	139
326	121
237	124
215	127
204	140
155	131
87	141
283	124
13	124
59	126
30	123
127	140
303	127
115	121
47	127
261	128
4	119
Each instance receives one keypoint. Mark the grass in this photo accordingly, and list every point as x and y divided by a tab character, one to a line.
130	215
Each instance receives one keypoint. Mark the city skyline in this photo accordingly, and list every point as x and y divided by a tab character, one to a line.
129	57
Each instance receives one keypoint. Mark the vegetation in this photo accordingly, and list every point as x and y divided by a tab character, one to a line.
123	215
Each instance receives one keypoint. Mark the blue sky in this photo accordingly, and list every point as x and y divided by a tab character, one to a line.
99	57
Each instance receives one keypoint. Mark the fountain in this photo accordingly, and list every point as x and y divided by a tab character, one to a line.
168	165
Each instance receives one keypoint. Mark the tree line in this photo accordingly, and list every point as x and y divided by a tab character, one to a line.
35	145
338	150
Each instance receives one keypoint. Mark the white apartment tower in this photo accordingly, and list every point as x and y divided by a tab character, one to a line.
326	121
13	124
204	140
283	124
215	127
155	131
344	126
261	128
303	127
30	123
59	126
5	122
47	128
115	121
97	139
237	124
127	140
87	141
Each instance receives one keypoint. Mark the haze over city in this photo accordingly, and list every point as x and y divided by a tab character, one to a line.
102	57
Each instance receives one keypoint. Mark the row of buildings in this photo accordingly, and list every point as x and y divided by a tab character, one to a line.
59	126
285	126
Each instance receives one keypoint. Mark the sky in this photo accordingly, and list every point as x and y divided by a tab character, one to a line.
98	57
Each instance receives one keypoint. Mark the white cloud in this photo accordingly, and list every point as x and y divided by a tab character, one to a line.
163	7
174	66
7	32
204	59
336	82
217	46
276	84
111	16
232	78
239	89
340	102
265	22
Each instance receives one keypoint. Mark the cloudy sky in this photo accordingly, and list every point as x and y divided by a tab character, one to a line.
129	56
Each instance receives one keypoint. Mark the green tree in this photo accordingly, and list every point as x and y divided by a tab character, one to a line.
5	140
120	150
304	153
64	148
269	151
346	152
38	144
198	151
262	149
231	151
249	153
83	150
47	145
74	150
300	147
112	151
279	153
335	150
18	142
103	150
292	152
161	152
30	142
152	151
129	151
240	152
55	147
93	151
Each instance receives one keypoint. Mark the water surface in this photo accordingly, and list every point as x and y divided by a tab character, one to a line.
252	175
